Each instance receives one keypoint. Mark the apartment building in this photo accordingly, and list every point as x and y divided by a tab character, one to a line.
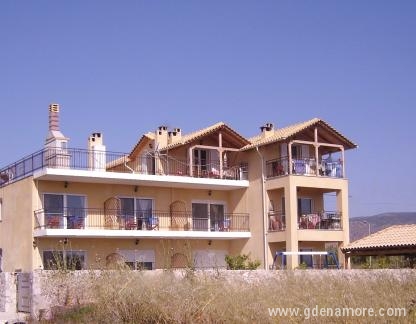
176	200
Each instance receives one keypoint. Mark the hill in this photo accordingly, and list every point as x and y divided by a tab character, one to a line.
359	225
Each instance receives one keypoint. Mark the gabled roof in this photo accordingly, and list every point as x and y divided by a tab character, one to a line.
281	134
144	139
188	138
397	236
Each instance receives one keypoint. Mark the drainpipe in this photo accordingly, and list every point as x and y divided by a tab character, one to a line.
263	196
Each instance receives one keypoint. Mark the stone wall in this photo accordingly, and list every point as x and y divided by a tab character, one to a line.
7	292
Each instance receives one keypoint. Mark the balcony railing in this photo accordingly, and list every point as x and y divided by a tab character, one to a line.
111	219
212	169
92	160
325	220
277	221
307	166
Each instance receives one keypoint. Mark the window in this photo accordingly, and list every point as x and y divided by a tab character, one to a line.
210	259
208	215
300	151
64	211
139	265
200	158
137	211
139	259
57	260
304	206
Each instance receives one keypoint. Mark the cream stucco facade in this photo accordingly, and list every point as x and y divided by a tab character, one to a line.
178	200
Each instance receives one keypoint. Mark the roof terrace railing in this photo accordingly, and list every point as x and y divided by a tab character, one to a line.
104	161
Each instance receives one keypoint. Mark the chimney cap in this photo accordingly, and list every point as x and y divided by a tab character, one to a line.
54	107
266	127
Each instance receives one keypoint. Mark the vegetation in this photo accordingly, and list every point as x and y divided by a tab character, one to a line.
124	296
241	262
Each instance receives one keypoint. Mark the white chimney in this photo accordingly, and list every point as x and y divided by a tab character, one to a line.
175	136
56	144
267	130
96	152
161	139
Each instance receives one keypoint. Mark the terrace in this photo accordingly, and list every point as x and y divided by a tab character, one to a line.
306	166
323	220
101	161
64	221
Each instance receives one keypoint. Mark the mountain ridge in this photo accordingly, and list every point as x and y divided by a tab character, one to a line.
361	225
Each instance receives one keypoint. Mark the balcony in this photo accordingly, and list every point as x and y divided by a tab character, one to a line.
305	167
325	220
91	164
91	222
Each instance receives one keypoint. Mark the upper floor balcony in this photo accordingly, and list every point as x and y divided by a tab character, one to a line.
91	165
323	220
304	166
96	222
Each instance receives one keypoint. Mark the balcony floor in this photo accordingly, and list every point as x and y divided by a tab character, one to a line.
53	174
161	234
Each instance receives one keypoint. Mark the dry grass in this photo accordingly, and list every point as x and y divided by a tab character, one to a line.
242	297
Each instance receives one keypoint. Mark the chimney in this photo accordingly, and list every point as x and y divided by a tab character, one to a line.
175	136
56	144
161	139
267	130
54	117
55	138
96	152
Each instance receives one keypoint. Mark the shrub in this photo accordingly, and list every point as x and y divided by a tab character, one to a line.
241	262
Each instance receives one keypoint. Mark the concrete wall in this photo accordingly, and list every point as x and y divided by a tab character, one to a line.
16	225
98	249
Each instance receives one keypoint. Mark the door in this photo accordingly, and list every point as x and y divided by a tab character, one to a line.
306	259
24	292
200	216
216	213
54	210
75	208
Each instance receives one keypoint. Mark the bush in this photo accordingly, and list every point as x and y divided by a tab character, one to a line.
241	262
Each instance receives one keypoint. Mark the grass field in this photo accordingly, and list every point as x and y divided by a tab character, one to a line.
232	296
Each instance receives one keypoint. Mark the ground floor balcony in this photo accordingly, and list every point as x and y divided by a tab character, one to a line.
92	222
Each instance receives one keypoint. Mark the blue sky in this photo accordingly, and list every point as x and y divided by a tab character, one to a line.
126	67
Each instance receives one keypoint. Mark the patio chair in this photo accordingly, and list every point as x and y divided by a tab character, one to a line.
153	223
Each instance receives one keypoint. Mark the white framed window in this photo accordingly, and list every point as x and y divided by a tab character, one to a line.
64	210
57	260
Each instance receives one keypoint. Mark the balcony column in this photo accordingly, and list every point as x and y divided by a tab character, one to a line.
220	154
292	244
191	162
342	206
289	148
316	152
343	162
